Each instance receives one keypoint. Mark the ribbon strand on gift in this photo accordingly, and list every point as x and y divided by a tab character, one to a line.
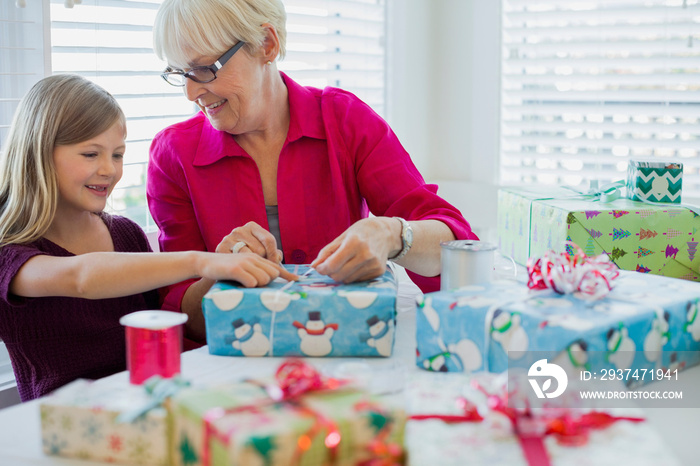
159	390
529	428
294	380
607	193
383	452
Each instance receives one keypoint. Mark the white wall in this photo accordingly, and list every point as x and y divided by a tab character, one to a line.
443	97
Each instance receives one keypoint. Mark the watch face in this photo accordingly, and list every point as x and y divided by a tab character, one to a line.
409	235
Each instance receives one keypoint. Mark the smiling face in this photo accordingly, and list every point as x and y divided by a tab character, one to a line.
88	171
234	102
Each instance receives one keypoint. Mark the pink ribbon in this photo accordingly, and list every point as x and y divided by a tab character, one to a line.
591	277
531	430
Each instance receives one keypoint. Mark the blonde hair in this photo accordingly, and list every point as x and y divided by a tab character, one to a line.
211	27
58	110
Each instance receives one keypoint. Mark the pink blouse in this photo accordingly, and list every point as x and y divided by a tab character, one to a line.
340	160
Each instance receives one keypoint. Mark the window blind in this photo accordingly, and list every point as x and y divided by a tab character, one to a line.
21	57
329	43
338	43
110	43
588	85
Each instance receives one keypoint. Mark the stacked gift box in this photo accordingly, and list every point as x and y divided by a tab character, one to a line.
654	181
315	316
651	238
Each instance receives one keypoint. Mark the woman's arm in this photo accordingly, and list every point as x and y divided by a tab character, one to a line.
392	187
361	252
102	275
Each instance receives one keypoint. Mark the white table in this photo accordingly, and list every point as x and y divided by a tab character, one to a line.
20	438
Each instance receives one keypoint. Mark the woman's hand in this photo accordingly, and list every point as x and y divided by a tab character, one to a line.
361	251
248	269
256	239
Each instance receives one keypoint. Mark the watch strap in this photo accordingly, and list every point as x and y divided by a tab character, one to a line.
406	239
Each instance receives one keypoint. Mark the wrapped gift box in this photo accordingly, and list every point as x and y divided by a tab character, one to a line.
79	420
244	427
491	441
654	181
315	316
645	322
656	239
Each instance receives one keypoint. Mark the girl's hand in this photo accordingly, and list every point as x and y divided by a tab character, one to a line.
247	268
360	252
257	240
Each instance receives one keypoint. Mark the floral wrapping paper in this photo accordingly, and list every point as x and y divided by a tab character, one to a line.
315	317
645	322
79	421
646	238
265	433
492	442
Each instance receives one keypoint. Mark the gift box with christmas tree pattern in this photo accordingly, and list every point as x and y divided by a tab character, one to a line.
245	423
647	238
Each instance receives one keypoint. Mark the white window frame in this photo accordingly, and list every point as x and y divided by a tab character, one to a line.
577	110
330	29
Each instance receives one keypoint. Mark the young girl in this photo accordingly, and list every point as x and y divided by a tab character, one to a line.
69	271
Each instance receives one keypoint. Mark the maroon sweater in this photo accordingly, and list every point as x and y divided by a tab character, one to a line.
55	340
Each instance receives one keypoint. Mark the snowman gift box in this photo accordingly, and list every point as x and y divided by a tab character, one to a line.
645	322
314	317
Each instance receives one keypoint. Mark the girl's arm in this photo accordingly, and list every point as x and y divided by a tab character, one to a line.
101	275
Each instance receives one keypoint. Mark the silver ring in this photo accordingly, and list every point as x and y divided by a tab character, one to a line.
238	246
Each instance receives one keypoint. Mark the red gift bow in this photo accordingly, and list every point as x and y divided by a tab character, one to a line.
530	429
294	380
592	277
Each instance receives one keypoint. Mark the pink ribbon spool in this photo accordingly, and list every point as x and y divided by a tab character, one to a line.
153	344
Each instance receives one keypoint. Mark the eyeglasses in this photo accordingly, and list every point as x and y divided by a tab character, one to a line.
199	74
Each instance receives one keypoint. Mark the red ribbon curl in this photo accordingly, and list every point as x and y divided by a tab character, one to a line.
590	277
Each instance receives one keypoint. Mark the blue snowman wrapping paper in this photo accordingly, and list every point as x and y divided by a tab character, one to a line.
314	317
645	322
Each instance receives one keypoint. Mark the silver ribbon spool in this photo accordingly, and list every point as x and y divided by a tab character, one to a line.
466	262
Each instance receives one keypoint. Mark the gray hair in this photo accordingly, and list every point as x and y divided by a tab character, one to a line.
184	28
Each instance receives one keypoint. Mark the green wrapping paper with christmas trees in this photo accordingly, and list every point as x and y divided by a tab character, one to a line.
642	237
246	424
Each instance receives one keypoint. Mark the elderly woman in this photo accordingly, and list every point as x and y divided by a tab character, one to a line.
279	169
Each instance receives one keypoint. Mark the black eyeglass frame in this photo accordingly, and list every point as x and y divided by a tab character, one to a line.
218	64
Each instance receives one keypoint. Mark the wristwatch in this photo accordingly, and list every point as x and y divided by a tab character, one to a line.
406	239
